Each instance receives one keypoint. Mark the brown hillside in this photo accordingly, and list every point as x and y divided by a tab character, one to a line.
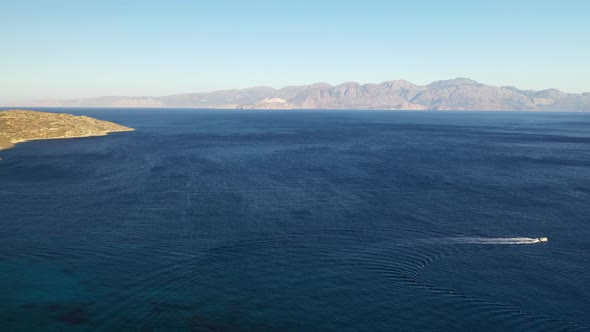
20	126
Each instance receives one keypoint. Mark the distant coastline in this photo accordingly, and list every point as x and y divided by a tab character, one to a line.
19	126
460	94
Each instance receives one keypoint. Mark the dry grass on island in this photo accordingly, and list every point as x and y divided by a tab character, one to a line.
18	126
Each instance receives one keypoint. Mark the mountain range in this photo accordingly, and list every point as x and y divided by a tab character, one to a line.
455	94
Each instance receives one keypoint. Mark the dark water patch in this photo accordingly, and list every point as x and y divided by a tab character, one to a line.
75	316
528	138
301	214
583	190
28	306
201	323
558	162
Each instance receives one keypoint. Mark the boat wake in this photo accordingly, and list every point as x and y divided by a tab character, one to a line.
497	240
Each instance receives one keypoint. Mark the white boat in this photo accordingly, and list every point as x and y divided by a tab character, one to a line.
543	239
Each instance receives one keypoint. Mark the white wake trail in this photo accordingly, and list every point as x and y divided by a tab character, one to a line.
494	240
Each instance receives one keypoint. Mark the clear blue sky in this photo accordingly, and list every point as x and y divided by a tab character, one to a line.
70	49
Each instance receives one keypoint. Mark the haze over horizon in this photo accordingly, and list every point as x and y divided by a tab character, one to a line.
67	49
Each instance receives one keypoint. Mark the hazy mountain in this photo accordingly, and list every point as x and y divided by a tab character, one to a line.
456	94
224	98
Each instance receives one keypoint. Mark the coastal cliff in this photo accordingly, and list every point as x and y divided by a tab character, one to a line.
18	126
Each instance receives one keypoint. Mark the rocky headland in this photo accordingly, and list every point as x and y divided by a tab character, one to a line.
18	126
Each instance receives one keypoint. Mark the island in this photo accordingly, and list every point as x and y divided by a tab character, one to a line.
17	126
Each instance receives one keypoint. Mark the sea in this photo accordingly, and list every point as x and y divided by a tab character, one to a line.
216	220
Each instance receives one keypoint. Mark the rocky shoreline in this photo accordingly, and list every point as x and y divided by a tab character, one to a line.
18	126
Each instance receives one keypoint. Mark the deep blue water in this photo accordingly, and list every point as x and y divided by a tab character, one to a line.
300	221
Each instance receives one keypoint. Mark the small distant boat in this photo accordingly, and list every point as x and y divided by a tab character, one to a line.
542	239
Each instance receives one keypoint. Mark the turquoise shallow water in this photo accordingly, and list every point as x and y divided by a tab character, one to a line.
318	221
